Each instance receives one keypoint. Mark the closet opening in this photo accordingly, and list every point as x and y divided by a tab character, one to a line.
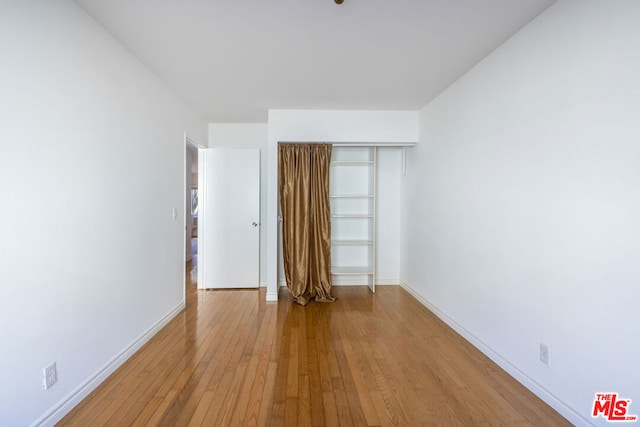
355	213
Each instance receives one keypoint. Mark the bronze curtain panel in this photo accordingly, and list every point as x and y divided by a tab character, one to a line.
303	171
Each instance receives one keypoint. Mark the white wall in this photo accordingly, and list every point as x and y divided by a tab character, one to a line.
388	216
248	135
522	199
91	166
333	126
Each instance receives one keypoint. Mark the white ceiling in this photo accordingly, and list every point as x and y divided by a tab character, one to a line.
233	60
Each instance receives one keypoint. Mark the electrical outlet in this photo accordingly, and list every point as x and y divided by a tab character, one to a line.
544	353
50	376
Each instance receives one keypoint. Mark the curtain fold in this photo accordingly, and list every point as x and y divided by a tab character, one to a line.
303	171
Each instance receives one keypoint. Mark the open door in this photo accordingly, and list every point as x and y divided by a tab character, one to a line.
229	219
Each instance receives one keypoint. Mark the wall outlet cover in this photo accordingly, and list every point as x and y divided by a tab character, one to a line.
50	376
544	353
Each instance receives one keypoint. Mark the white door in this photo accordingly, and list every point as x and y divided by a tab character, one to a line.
230	250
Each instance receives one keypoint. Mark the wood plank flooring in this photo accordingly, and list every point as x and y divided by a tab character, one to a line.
379	360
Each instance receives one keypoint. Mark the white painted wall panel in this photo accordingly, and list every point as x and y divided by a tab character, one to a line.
388	215
521	204
91	166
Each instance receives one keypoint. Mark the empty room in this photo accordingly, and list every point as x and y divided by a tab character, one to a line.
319	212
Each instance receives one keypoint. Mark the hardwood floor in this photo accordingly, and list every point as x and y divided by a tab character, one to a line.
233	359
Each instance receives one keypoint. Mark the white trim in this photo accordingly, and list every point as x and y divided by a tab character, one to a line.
202	217
185	258
387	282
374	213
552	400
62	408
193	144
403	161
272	296
361	280
356	280
351	280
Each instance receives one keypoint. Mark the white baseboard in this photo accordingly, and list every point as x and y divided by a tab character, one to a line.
387	282
349	281
562	408
353	281
361	281
62	408
272	296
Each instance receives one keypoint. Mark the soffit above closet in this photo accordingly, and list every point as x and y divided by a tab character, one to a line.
234	60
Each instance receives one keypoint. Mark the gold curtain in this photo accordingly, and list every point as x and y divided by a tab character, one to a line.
303	171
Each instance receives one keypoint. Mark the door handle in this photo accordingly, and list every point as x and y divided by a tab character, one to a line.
255	224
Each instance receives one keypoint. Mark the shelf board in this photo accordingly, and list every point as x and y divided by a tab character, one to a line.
352	196
352	242
352	216
354	271
352	162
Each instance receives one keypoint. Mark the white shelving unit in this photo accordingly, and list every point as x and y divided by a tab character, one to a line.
353	215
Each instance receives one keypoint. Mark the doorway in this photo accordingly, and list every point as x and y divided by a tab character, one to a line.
191	210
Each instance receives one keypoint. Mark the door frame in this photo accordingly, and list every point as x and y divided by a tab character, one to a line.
202	220
193	144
